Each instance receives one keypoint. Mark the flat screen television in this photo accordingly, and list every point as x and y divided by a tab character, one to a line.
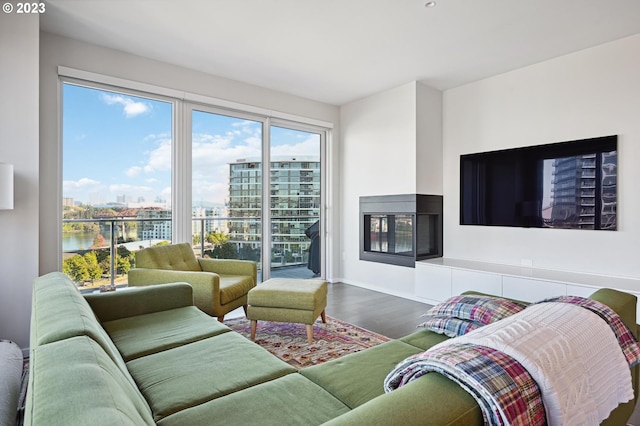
570	185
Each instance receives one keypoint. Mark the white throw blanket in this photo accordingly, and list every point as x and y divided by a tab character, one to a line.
570	352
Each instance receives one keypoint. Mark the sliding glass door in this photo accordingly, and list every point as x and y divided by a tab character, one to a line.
229	201
295	200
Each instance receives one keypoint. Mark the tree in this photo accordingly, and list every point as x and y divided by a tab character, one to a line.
217	238
77	269
93	267
224	251
123	264
99	242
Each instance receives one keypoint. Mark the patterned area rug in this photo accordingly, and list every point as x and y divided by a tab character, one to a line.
288	341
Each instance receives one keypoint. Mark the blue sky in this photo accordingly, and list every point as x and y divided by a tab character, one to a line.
116	144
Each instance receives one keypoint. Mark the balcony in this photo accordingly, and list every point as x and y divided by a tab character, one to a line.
107	252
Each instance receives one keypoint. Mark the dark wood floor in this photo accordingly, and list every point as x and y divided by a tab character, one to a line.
381	313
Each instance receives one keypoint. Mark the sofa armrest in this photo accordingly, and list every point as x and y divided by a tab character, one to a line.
431	400
10	379
140	300
206	285
229	267
624	304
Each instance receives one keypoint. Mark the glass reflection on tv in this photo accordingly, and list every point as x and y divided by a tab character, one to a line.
569	185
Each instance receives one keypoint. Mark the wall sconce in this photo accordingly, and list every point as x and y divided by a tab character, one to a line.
6	186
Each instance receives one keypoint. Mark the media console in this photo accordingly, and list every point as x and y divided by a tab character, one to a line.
438	279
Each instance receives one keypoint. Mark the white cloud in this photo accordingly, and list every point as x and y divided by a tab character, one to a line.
133	171
131	108
83	183
84	189
160	157
309	146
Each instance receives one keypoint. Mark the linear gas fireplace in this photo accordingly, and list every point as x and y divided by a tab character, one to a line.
400	229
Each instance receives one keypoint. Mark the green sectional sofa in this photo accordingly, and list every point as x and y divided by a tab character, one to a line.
147	355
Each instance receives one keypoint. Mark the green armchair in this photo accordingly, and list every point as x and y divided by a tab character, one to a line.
219	285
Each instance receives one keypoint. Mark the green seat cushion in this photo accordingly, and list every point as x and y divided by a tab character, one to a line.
357	378
146	334
290	293
424	339
198	372
233	287
74	382
290	400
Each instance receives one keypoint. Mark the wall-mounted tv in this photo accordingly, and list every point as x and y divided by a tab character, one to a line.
570	185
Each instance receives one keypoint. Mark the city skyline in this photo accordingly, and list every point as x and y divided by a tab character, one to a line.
120	146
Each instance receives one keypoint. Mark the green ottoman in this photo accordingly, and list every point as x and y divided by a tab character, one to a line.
287	300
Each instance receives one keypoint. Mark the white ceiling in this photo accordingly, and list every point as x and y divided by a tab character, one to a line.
336	51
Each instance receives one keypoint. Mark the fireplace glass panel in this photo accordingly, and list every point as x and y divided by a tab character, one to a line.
427	234
390	234
378	233
400	229
403	235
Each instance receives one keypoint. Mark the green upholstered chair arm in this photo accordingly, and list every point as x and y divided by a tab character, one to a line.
229	267
140	300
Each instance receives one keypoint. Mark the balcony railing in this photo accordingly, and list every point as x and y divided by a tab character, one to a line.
288	249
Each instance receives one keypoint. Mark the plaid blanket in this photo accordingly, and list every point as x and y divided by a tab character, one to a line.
505	391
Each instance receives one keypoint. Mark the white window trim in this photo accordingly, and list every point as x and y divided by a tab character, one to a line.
186	96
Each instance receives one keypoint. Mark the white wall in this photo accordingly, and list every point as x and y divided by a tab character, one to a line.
19	39
590	93
381	136
57	51
429	140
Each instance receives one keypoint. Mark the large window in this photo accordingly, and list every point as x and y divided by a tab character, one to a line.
116	181
230	206
141	170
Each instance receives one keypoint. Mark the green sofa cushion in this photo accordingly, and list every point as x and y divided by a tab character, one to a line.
290	400
357	378
60	312
150	333
198	372
74	382
424	339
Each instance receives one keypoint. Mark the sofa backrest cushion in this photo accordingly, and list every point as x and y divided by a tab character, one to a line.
60	312
177	257
74	382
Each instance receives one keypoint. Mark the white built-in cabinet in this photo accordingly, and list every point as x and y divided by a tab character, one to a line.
440	278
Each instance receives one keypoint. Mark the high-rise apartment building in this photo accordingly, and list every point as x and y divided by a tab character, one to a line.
578	202
152	230
295	203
